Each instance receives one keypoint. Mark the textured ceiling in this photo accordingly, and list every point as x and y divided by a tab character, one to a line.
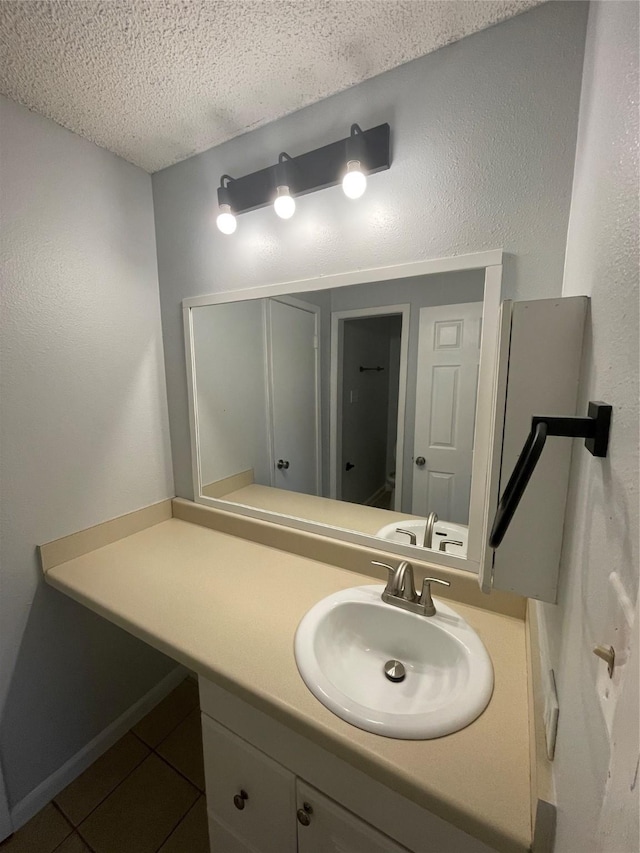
156	81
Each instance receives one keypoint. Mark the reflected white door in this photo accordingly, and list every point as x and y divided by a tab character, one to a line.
446	390
294	390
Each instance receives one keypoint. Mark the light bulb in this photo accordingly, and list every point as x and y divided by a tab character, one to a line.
284	205
226	221
354	182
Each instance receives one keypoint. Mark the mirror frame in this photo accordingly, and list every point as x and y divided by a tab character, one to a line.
489	261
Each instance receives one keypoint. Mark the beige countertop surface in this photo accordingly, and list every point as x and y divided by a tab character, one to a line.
349	516
228	608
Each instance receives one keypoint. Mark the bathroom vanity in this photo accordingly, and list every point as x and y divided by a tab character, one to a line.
224	596
221	584
273	791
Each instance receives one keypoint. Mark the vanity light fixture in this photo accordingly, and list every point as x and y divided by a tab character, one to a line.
284	204
345	162
354	182
225	220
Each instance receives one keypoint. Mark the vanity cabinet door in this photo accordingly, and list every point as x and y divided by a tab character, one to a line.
248	793
222	841
328	828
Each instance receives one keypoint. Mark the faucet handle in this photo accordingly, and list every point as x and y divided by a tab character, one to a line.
382	565
425	599
390	587
444	542
386	566
413	540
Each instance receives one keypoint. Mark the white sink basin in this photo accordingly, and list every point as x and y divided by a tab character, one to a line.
441	530
344	641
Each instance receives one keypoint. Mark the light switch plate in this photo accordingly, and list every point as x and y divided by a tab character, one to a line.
551	712
551	706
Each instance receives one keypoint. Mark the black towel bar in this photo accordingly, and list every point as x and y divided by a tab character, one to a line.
594	429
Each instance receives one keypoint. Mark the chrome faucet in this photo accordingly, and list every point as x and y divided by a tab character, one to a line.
428	530
400	590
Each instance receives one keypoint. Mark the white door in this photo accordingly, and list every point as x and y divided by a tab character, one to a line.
446	390
294	392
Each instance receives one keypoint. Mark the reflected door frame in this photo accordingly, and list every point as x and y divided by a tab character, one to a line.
335	382
6	824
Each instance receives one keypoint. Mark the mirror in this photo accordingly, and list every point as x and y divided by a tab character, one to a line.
353	406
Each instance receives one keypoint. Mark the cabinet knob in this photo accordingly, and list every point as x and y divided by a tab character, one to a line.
303	814
240	799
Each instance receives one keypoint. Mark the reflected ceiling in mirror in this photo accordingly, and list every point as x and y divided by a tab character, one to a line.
352	407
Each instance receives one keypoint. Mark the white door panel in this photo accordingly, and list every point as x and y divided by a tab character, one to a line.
447	381
263	818
332	829
293	337
223	841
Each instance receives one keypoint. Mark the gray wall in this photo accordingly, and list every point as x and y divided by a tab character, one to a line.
83	424
483	136
596	771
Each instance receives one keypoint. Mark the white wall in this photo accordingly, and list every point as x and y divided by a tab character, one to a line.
596	773
483	135
83	424
232	402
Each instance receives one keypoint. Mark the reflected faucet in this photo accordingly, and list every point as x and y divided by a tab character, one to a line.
428	530
445	542
412	536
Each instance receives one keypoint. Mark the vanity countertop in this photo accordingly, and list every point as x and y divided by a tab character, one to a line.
228	608
350	516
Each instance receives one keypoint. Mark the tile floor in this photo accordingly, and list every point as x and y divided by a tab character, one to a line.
144	795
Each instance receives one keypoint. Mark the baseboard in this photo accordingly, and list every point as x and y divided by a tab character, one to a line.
78	763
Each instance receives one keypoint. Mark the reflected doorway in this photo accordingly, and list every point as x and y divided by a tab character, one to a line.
370	368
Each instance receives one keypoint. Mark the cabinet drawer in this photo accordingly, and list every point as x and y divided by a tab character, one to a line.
265	820
333	829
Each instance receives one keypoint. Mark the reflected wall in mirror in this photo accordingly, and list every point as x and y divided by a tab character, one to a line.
351	406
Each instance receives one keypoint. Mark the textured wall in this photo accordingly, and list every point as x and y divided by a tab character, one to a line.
84	427
483	136
596	773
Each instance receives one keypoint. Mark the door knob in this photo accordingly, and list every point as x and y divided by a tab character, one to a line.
240	799
349	466
420	461
283	463
303	814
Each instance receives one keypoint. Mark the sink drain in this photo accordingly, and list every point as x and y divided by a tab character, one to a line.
394	670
